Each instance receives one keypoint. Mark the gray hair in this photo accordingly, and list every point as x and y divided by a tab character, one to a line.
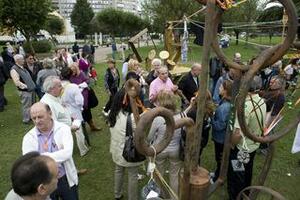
255	84
18	56
196	65
48	63
49	83
163	68
156	60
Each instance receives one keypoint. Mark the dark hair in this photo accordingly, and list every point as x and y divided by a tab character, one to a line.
132	75
28	172
293	61
117	106
66	73
27	55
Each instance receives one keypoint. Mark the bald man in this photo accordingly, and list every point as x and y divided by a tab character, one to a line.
38	172
53	139
189	83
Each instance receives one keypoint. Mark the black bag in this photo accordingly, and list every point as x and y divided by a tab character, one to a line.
92	99
130	154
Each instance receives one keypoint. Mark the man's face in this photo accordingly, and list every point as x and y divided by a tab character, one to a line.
57	88
196	70
20	61
163	75
30	60
41	118
52	185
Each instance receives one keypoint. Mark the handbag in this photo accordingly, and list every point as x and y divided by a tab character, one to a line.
92	99
130	154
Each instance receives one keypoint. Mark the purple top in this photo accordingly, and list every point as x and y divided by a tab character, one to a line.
85	92
84	65
47	144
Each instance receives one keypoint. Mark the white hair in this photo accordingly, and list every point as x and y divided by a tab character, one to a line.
49	83
18	56
156	61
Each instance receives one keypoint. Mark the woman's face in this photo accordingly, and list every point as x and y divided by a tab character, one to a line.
111	65
75	70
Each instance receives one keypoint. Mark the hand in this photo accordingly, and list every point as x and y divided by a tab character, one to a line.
74	128
193	101
175	87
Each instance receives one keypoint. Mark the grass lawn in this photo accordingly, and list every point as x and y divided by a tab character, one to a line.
97	184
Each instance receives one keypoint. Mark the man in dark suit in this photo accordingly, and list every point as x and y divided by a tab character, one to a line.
189	83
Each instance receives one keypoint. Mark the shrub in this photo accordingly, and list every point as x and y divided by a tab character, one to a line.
42	46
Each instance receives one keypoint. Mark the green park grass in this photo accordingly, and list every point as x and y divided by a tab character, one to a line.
97	184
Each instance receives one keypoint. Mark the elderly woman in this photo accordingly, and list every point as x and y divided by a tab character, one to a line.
49	70
170	154
79	78
117	118
72	99
153	74
111	83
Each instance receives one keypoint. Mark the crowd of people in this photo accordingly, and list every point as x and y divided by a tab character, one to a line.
63	86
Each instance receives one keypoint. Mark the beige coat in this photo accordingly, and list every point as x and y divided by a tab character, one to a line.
117	140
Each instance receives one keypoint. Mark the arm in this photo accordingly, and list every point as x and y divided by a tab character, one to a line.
78	97
106	81
16	78
65	146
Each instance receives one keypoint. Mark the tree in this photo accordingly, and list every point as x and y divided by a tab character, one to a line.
54	25
81	16
161	11
118	22
26	16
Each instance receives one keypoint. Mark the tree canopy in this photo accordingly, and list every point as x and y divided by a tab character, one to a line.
118	22
161	11
54	25
81	16
27	16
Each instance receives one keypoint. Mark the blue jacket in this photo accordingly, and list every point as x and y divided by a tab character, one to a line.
220	120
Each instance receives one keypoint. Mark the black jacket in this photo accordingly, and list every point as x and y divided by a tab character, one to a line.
188	86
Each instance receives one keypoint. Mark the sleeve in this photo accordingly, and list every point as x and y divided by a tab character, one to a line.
16	79
28	144
124	69
152	92
78	97
66	148
106	81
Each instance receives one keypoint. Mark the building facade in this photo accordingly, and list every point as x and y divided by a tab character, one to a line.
65	7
